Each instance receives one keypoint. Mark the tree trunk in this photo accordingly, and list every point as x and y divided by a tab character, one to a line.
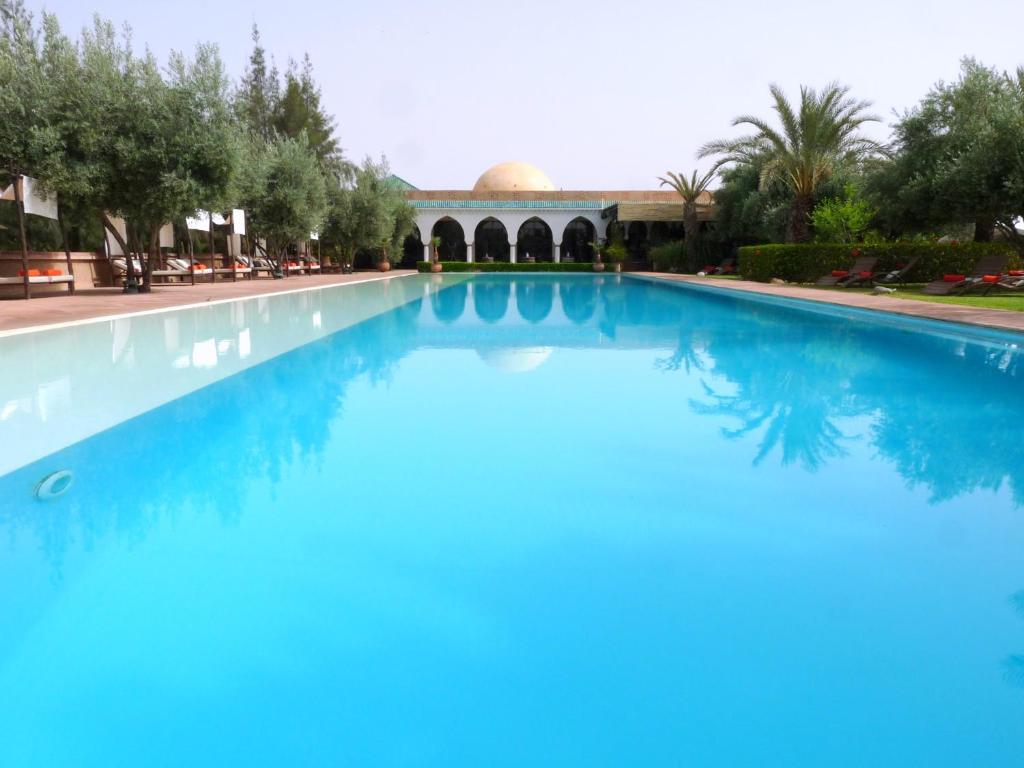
984	229
798	230
130	285
151	256
691	236
20	205
64	242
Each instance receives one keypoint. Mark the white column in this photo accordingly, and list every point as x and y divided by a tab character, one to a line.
469	252
512	252
426	252
558	252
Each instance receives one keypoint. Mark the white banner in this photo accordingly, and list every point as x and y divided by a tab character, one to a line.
167	236
314	235
113	247
218	219
237	221
35	202
201	221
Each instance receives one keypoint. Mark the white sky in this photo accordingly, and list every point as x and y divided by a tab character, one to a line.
600	95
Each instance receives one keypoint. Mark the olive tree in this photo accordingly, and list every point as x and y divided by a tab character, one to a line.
283	191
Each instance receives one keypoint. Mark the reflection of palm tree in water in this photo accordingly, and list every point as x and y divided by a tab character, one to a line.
687	354
1013	666
793	390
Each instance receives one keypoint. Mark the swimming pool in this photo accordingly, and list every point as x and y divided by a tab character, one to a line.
512	520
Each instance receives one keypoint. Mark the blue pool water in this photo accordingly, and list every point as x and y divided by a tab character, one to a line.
512	521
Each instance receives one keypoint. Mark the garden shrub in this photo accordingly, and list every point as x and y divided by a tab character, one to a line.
803	263
668	256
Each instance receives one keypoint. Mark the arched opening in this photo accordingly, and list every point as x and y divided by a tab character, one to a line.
636	242
412	249
664	232
534	299
490	299
453	240
490	241
449	303
576	240
534	241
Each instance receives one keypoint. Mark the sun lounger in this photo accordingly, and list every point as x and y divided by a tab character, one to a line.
898	275
39	277
238	268
862	269
1013	281
988	267
727	267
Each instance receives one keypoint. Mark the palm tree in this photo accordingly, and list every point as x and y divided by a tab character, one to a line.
690	190
817	139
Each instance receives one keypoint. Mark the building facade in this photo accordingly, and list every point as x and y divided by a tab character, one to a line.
514	213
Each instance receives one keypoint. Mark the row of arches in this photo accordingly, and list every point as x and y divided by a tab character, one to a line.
535	240
491	242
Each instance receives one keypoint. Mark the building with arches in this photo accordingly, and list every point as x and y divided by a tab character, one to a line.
514	213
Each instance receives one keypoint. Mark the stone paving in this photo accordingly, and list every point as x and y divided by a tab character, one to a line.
88	303
1002	319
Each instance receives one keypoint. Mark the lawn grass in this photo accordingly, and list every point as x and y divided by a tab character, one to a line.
1014	302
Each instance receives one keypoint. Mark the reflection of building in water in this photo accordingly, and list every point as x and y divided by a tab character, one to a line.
514	211
515	360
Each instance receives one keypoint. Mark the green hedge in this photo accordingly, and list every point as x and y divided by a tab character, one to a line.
806	263
504	266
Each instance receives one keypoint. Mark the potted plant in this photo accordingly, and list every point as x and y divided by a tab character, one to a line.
599	247
616	254
435	262
383	261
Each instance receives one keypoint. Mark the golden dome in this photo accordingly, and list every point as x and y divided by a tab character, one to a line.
513	177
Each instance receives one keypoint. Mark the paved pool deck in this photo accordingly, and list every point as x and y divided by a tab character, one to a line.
91	303
1001	319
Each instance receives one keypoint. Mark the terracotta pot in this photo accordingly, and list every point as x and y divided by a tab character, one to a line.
436	266
384	266
599	266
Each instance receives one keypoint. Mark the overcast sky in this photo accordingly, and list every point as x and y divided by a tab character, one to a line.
600	95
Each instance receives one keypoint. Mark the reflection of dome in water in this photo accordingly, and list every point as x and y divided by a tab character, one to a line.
513	177
518	360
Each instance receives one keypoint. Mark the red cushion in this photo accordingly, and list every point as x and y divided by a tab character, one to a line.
198	266
728	270
840	272
31	273
1016	273
709	268
954	278
990	278
865	274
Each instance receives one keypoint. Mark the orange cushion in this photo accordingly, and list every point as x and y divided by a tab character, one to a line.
990	279
954	278
31	273
53	272
840	272
198	266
